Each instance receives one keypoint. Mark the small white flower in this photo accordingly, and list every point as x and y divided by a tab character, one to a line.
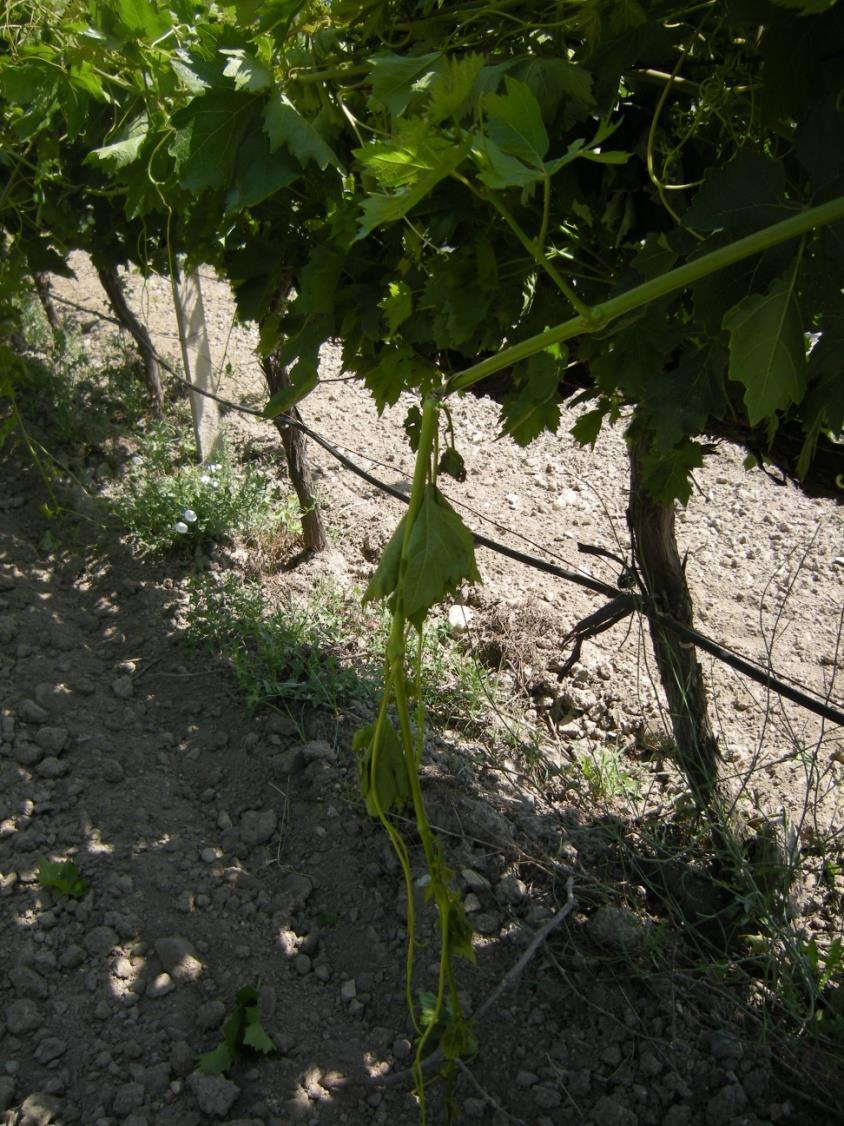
189	516
180	526
136	459
205	479
214	467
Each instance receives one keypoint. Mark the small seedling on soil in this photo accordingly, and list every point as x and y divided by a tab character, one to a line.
64	876
242	1034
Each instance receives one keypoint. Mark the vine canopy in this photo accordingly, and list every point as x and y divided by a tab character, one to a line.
435	184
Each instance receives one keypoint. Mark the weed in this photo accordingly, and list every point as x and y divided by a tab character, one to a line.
63	877
293	655
243	1033
604	774
169	505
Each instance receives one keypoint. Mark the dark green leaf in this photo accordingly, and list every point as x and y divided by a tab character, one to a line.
218	1061
248	73
453	464
413	427
258	174
143	19
284	125
125	148
588	427
533	408
552	80
767	349
254	1035
500	170
681	401
744	196
666	473
208	135
452	87
514	123
397	305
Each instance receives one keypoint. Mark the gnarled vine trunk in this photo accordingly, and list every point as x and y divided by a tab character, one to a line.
110	282
658	561
293	441
42	289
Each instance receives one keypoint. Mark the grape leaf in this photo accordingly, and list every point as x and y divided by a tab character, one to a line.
514	123
122	151
247	71
440	556
451	88
208	135
743	196
588	427
397	305
453	464
380	209
254	1035
533	408
665	473
258	173
383	583
394	76
142	19
767	349
388	786
284	125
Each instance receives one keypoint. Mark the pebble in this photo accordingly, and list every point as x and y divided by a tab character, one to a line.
610	1112
52	767
31	712
729	1102
23	1016
258	826
460	620
129	1097
101	941
160	986
39	1109
302	964
50	1048
53	739
123	688
178	957
7	1091
215	1095
210	1014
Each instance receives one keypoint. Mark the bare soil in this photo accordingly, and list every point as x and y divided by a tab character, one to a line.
222	849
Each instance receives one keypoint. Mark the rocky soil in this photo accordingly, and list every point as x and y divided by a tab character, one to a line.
221	850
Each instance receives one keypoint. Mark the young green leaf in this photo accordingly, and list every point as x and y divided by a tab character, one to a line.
767	349
440	556
382	770
386	577
63	876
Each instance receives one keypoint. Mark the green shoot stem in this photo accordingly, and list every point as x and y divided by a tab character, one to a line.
599	316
